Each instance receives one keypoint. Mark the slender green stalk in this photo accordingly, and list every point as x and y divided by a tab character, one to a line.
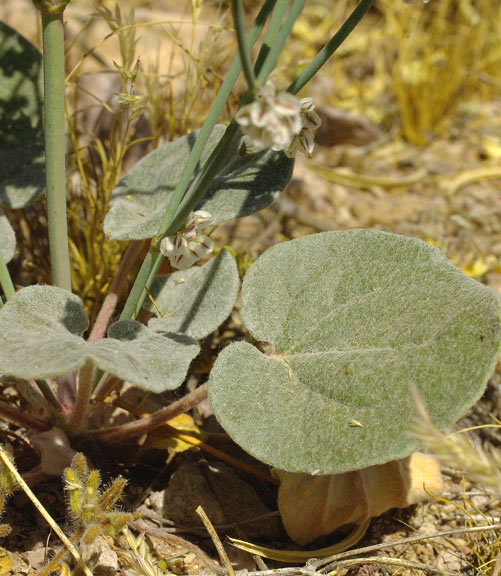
132	306
55	160
271	32
329	49
279	41
239	22
6	280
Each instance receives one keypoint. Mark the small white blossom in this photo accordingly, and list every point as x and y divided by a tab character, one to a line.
272	120
304	141
188	245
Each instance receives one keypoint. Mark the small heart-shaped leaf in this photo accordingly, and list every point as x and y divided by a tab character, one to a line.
7	239
40	328
246	185
196	301
22	168
356	320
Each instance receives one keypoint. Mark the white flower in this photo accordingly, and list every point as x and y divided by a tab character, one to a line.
272	120
310	120
188	245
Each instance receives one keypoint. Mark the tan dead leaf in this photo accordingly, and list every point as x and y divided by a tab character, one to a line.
314	506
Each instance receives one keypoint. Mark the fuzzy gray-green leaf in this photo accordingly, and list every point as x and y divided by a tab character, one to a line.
7	239
22	169
356	319
150	360
40	337
246	185
196	301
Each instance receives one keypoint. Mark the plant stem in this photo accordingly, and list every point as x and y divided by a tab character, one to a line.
329	49
78	417
12	414
223	150
117	285
55	159
6	280
50	397
239	22
271	32
280	40
137	293
116	434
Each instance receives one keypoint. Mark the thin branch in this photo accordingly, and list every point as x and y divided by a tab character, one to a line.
223	556
328	563
399	562
116	434
118	284
15	416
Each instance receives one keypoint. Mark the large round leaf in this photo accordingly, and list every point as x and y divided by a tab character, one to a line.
246	185
355	319
196	301
40	337
22	169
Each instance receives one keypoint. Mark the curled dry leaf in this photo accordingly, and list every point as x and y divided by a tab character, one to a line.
314	506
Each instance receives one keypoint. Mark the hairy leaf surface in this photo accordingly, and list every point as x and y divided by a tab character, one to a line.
246	185
7	239
355	319
196	301
40	337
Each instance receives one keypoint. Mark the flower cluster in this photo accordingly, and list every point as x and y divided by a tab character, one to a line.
310	122
279	121
271	120
188	245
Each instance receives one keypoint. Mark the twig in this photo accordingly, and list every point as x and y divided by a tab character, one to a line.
328	565
117	285
176	541
12	414
399	562
217	542
116	434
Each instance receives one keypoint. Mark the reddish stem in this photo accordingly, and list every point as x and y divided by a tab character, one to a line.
118	434
12	414
118	284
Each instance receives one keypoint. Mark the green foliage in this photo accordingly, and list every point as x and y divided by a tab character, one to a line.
21	145
245	185
356	319
196	301
40	331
